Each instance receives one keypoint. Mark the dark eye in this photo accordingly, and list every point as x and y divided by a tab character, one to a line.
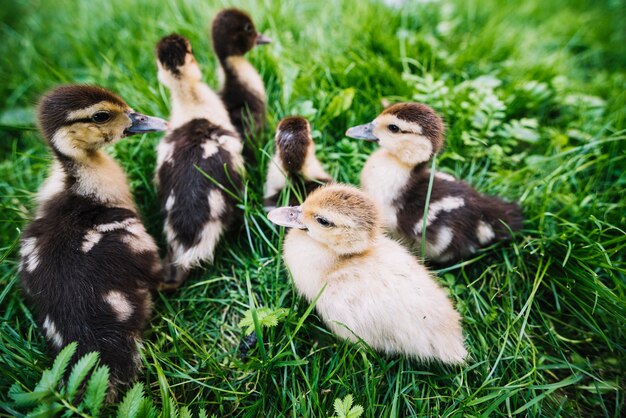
100	117
323	221
248	27
393	128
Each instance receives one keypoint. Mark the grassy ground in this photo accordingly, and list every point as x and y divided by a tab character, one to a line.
534	99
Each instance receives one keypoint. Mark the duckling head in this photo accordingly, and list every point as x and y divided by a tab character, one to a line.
77	120
175	61
338	216
234	34
293	142
412	132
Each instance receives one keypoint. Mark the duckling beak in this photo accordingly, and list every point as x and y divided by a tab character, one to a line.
143	124
290	216
262	39
364	132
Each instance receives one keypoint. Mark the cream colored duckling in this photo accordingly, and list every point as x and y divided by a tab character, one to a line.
294	163
371	287
459	220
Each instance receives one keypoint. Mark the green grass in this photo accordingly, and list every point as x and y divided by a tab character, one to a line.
534	98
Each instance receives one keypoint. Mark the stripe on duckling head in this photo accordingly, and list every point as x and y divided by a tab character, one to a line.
431	124
56	105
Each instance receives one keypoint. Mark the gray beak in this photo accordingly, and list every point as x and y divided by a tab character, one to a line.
362	132
262	39
143	124
290	216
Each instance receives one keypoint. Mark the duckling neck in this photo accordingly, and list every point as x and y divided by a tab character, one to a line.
238	73
195	100
384	177
96	176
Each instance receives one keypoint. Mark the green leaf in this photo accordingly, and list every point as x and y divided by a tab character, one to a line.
266	317
184	412
46	410
341	102
26	398
147	409
51	378
344	409
97	389
131	404
79	372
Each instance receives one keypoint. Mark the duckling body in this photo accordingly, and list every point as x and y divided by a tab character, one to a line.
294	164
459	220
87	263
199	163
369	286
243	91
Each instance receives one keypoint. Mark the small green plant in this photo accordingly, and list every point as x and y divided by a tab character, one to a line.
345	409
54	397
267	317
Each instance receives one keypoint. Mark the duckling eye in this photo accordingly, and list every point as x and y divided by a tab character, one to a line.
323	221
100	117
393	128
248	27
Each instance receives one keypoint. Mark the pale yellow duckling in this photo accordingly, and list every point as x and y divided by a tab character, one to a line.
370	287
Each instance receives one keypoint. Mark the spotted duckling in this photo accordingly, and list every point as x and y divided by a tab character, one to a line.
294	164
243	91
199	162
369	286
87	263
459	219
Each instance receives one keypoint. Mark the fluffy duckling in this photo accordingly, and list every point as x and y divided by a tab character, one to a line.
459	220
87	263
371	287
294	161
243	92
198	206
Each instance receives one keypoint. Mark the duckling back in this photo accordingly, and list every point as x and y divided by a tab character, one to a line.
199	163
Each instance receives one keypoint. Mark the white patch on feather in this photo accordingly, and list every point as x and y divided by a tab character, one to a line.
30	254
169	203
209	148
165	153
195	100
120	304
90	239
138	239
217	204
484	232
52	333
438	244
447	204
444	176
103	180
203	251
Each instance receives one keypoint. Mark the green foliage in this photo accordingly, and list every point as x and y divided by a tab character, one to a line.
345	409
266	318
532	93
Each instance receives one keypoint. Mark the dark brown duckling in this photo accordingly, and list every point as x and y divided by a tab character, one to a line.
87	263
243	91
294	165
459	220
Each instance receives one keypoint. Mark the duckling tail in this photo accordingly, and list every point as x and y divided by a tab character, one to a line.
508	217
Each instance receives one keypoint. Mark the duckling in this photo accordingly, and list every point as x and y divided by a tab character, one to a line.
295	161
199	162
459	220
87	263
369	286
243	92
